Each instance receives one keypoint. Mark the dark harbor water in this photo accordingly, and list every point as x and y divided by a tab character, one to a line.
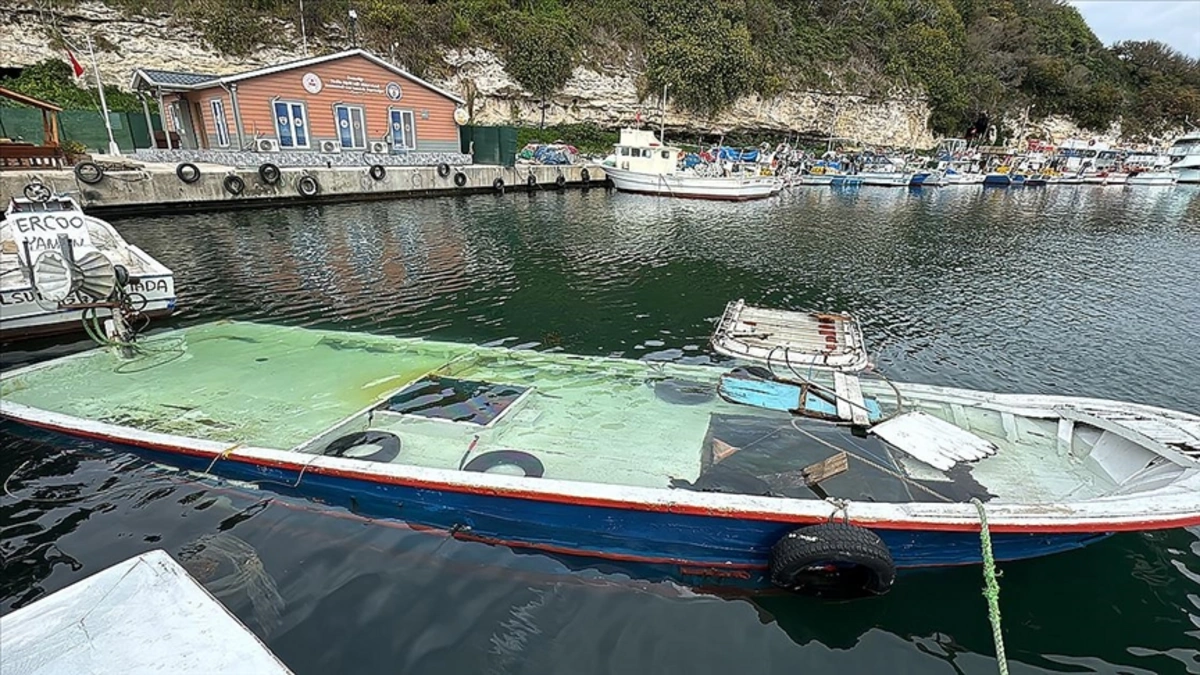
1083	291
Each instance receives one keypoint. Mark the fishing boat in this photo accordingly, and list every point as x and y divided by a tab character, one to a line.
642	164
794	465
60	267
885	172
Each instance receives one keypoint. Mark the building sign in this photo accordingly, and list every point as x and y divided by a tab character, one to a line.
394	91
312	83
355	85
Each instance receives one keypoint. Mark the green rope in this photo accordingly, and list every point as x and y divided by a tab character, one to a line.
992	590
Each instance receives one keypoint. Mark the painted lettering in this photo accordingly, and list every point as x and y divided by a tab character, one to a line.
148	286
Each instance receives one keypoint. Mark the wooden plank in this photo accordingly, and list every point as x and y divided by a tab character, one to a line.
932	440
842	389
827	468
858	407
1066	435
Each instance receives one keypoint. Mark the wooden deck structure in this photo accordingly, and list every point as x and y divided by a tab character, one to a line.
16	155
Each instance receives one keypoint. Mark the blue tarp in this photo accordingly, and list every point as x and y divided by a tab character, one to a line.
550	155
692	159
735	155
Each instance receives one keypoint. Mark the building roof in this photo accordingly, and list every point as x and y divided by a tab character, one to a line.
169	78
188	81
28	100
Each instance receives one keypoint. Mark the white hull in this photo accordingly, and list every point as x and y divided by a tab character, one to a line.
1189	175
1156	178
964	178
21	317
886	179
693	187
811	179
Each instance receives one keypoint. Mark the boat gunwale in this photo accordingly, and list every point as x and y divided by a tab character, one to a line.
1166	507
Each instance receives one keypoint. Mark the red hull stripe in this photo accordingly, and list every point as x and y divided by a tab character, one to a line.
684	509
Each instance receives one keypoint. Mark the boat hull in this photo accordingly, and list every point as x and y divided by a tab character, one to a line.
1188	175
1158	178
689	545
692	187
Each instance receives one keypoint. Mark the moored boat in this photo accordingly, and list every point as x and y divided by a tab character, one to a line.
644	165
729	474
1185	157
59	266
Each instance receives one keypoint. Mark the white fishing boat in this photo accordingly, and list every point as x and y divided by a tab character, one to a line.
1185	157
60	267
1151	178
887	173
143	615
1149	169
644	165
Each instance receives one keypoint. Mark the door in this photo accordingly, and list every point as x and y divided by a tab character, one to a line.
404	133
291	124
352	130
219	123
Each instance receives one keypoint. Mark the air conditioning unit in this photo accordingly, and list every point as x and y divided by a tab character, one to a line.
330	147
266	145
378	148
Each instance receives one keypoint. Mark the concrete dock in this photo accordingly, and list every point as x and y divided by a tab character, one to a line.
157	188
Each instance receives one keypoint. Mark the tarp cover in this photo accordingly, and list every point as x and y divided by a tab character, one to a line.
144	615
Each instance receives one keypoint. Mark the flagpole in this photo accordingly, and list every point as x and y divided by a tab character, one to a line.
113	148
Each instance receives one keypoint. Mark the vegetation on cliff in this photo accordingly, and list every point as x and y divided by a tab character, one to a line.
1014	58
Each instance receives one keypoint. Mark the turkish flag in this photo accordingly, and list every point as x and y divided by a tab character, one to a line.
75	67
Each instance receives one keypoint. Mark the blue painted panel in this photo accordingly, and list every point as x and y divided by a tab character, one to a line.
781	396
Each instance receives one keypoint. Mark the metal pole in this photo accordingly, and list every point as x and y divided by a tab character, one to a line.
113	148
303	31
149	121
662	119
164	116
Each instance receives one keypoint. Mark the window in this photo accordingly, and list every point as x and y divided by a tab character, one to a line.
666	154
351	126
647	153
624	151
219	123
404	131
291	124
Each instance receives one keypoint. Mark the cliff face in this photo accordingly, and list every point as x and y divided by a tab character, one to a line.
605	95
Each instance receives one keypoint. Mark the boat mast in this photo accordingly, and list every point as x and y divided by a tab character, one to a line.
113	148
662	117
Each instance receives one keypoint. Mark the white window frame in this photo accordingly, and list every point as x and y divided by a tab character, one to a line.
350	108
412	128
220	121
307	128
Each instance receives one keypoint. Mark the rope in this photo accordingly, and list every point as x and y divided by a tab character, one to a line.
992	589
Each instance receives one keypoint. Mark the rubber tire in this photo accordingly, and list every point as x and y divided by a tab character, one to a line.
560	180
389	445
460	179
532	466
188	172
37	192
585	175
498	185
92	175
269	174
234	185
377	171
308	192
871	570
531	181
443	170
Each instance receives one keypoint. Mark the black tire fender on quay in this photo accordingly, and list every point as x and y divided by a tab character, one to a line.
443	169
377	171
268	173
308	186
832	560
387	444
530	465
460	179
585	175
89	172
560	180
531	181
187	172
498	184
234	184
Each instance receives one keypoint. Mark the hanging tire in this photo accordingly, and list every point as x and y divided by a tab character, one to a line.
529	465
832	560
37	192
269	173
560	181
369	446
498	185
377	171
585	175
443	170
188	172
531	181
234	185
460	179
308	186
89	172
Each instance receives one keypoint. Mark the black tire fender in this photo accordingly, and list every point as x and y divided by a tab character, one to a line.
832	560
585	175
443	169
377	171
532	466
308	186
89	172
460	179
234	184
269	173
187	172
531	181
498	185
388	446
560	180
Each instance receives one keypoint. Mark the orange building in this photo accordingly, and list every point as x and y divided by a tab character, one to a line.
352	101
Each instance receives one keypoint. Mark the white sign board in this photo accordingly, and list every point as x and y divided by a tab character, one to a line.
41	230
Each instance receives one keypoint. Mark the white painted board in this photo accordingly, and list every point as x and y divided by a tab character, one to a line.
144	615
933	440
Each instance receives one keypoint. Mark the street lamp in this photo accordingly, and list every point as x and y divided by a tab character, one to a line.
353	21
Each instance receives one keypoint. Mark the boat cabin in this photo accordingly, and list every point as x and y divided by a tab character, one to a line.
640	150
